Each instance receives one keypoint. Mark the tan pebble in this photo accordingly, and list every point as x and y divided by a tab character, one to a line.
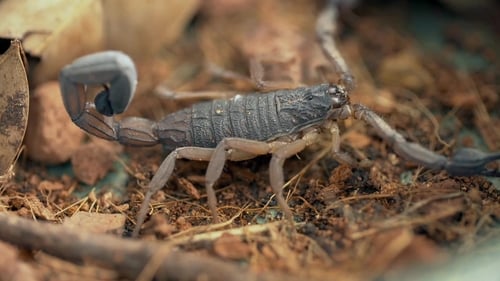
24	212
465	99
96	222
51	137
380	100
34	179
91	162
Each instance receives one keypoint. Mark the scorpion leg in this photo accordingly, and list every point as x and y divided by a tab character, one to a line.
465	162
326	27
257	80
336	154
166	168
280	151
163	174
276	172
222	153
257	76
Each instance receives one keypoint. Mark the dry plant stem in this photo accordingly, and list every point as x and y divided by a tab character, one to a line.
405	221
127	257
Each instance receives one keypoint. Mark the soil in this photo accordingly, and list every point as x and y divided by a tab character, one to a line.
379	221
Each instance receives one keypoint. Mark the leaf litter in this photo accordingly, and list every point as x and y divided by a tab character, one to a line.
353	223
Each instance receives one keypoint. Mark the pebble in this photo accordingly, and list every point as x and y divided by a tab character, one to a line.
51	137
92	162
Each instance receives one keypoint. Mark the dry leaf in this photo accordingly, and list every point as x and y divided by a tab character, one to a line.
14	103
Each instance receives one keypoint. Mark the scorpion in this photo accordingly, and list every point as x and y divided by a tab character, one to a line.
281	123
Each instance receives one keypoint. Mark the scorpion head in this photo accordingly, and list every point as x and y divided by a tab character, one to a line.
340	103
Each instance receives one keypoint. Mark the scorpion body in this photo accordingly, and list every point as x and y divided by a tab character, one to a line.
281	123
260	117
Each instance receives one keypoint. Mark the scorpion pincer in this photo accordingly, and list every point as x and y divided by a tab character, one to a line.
281	123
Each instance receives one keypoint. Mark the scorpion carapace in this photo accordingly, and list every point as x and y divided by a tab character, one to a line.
281	123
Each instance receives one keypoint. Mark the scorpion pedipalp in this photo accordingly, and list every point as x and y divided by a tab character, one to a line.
465	161
111	68
116	73
471	161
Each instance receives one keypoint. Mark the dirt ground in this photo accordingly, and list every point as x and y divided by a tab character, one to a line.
430	69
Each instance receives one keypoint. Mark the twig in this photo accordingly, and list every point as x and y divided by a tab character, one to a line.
405	221
127	257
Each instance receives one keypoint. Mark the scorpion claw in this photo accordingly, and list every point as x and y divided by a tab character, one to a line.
115	72
470	161
111	68
465	161
103	104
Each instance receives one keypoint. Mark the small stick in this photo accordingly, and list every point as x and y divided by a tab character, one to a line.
127	257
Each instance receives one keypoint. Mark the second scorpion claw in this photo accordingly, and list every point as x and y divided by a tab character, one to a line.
470	161
465	161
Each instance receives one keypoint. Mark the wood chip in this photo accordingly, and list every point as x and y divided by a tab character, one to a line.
97	223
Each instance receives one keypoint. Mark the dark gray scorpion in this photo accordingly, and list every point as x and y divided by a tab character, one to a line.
281	123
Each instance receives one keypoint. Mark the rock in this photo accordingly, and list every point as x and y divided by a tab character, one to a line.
96	222
51	136
92	161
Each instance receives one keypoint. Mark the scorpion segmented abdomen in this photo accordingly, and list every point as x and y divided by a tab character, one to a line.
253	117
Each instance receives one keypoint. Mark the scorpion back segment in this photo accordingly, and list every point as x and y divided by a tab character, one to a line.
281	123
